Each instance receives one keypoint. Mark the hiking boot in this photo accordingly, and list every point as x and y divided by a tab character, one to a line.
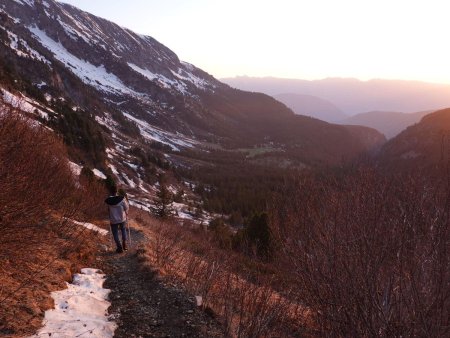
125	247
119	250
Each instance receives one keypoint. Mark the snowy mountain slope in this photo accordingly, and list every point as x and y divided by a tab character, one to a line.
68	26
126	68
124	102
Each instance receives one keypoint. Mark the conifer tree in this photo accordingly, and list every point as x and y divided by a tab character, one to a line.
163	200
258	234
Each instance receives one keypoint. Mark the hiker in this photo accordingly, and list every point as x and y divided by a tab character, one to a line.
118	215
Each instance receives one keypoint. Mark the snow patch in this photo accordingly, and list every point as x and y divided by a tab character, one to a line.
75	168
99	174
23	103
160	79
184	75
142	205
182	211
145	72
41	84
80	310
91	226
132	166
129	181
113	169
22	49
25	2
106	121
155	134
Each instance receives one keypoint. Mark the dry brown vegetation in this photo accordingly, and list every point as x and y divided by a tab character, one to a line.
238	292
368	252
358	253
39	247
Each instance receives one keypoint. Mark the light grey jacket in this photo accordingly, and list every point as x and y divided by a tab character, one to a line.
118	209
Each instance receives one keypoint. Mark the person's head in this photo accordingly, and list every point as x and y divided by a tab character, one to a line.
113	190
121	192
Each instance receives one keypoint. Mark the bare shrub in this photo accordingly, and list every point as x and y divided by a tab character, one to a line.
38	194
34	177
248	309
369	252
166	244
253	310
202	277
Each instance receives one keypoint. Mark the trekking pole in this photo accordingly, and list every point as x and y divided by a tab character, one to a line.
110	237
110	232
129	233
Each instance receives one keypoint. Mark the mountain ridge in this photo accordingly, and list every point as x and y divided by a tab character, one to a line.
313	106
389	123
424	144
354	96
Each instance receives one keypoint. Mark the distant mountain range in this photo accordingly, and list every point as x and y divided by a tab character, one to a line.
313	106
353	96
388	123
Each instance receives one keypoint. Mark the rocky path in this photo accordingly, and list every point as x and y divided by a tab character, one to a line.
143	305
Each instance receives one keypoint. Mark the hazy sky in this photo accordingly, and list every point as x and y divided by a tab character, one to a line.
308	39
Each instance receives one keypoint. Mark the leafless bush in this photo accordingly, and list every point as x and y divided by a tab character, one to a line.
34	176
203	274
38	194
247	309
369	252
253	310
166	244
186	255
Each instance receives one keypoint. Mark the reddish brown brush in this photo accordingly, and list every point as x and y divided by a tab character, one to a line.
39	247
369	252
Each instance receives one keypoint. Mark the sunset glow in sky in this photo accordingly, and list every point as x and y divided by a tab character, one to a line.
307	39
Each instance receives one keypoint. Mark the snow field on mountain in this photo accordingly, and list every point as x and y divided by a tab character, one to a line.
25	50
161	79
23	103
25	2
155	134
92	75
181	74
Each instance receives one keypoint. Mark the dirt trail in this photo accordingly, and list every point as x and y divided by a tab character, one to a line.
143	305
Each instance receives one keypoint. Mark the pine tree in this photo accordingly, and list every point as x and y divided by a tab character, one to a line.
163	200
259	235
179	196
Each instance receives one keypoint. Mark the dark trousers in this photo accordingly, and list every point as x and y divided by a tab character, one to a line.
115	231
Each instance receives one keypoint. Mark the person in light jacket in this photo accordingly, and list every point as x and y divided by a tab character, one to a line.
118	214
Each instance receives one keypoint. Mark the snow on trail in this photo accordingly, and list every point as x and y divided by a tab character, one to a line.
80	310
91	226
